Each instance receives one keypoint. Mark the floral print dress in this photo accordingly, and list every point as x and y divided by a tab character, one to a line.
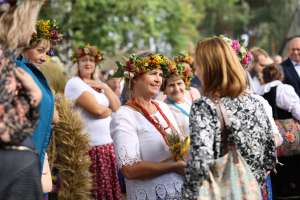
17	117
250	131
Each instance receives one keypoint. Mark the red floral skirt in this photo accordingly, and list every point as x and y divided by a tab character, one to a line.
104	171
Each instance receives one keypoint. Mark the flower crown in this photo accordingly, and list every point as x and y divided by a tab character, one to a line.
138	65
88	50
184	58
46	29
245	56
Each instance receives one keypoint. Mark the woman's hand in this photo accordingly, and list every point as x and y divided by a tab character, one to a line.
29	84
99	86
180	167
55	119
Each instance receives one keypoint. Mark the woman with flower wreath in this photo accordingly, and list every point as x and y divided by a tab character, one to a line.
140	131
31	59
227	110
180	95
245	57
96	102
20	96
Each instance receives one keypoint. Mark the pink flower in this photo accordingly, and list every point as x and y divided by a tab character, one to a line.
247	58
235	44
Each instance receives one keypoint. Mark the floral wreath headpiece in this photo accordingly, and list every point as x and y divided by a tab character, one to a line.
245	56
47	29
139	65
88	50
184	58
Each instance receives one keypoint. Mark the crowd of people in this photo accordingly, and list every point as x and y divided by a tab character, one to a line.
159	127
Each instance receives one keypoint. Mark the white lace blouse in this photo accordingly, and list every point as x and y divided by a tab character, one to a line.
136	139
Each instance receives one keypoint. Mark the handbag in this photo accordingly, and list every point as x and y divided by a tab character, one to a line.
290	132
229	177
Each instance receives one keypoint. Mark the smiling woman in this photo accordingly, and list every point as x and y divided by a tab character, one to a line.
139	130
96	101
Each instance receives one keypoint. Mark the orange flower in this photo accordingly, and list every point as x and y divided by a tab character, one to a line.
289	137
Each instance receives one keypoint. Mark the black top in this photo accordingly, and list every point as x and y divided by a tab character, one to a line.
278	113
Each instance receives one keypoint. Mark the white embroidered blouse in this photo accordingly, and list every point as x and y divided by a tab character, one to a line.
136	139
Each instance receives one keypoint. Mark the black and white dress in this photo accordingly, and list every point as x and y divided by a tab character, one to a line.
251	131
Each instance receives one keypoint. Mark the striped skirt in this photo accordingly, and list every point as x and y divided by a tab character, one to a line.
104	171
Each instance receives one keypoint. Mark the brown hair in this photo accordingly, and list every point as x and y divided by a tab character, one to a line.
222	74
15	21
272	72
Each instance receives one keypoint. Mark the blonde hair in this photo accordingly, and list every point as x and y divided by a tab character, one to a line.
221	72
256	51
15	20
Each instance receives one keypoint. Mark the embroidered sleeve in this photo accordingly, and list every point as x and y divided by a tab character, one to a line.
17	117
203	127
124	134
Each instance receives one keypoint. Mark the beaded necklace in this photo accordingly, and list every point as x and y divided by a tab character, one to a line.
133	103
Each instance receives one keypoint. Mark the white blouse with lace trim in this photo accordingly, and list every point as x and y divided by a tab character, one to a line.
136	139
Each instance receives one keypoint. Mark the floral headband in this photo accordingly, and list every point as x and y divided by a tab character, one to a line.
184	58
185	73
88	50
139	65
48	30
245	56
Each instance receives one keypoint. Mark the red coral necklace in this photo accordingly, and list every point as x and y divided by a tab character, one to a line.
133	103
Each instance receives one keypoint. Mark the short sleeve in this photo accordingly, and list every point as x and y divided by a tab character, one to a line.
74	88
123	129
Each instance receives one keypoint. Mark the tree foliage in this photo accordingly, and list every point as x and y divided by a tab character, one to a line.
169	26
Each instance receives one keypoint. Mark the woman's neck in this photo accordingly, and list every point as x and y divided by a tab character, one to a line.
83	77
146	102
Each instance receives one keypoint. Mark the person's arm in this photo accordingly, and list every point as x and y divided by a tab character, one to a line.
77	91
29	84
287	99
114	102
269	112
46	176
124	133
202	133
147	169
89	103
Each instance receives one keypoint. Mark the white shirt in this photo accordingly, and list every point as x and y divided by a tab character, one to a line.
257	87
286	97
98	129
181	118
136	139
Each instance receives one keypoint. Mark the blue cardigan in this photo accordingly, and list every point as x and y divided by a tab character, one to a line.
43	131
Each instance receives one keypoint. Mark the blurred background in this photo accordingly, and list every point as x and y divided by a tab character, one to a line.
120	27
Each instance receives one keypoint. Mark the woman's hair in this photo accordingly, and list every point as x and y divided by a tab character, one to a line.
221	72
272	72
16	20
256	51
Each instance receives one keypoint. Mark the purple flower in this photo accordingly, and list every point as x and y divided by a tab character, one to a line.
51	52
235	44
